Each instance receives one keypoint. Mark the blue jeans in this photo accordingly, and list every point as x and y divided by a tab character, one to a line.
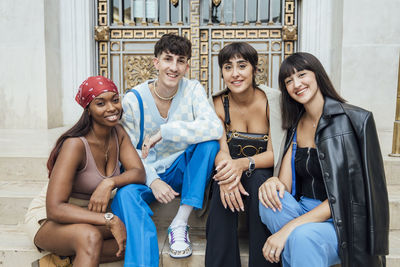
188	175
311	244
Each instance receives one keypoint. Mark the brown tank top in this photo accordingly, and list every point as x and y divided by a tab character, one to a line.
89	177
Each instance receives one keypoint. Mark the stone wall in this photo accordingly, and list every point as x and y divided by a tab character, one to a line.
23	95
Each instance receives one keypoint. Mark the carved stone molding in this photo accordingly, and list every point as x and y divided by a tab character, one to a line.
102	33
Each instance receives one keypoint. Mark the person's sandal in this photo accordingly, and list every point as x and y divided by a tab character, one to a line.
179	242
52	260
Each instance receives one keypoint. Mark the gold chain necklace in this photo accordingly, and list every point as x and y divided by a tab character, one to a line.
161	97
108	144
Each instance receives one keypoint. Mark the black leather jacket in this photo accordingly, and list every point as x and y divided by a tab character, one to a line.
354	178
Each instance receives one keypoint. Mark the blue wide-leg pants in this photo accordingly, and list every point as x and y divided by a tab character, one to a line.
188	175
309	245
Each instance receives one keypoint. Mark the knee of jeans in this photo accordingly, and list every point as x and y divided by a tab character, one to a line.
130	192
212	146
266	214
301	236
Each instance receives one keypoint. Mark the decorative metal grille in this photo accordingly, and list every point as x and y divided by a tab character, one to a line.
126	31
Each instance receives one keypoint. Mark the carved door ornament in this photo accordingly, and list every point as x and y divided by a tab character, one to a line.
216	2
102	33
137	70
125	38
174	2
289	33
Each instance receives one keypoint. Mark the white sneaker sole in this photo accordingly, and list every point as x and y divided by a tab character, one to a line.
172	255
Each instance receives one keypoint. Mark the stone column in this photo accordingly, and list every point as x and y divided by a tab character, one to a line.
77	52
320	33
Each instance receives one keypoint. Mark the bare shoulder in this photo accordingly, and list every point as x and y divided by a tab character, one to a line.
219	107
72	149
261	94
73	143
122	134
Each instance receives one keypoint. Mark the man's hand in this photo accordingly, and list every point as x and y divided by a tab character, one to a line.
162	191
149	142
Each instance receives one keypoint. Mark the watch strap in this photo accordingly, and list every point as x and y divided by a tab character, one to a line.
252	166
108	216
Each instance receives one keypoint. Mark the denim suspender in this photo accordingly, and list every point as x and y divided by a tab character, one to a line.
139	98
294	148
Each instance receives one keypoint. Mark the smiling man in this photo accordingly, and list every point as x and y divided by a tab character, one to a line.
180	130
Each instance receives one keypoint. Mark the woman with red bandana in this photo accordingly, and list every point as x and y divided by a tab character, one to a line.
70	217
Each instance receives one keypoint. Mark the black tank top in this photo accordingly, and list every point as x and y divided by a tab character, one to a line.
242	144
309	178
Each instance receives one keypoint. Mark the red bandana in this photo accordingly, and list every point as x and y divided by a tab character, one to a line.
93	87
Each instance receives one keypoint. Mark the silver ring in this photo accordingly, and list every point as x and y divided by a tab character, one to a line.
231	193
272	252
226	194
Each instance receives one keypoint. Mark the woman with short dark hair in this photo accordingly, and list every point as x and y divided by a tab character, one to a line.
249	151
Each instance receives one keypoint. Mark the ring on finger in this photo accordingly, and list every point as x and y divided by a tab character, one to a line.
231	193
272	252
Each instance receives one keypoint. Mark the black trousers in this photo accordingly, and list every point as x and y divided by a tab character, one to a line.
222	248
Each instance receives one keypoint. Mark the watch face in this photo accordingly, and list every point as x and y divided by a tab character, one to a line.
252	166
108	216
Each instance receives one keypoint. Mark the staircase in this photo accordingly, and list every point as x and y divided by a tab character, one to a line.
23	157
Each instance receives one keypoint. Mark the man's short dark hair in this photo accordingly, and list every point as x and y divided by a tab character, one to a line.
174	44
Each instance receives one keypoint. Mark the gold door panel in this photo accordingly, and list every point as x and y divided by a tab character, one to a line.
127	30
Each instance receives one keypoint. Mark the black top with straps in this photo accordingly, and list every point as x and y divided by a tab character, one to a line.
242	144
309	178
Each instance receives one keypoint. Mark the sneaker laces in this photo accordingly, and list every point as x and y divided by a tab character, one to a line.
179	234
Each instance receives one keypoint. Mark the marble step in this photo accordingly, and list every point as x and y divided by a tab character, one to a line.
23	168
33	168
24	154
16	249
15	197
17	167
392	170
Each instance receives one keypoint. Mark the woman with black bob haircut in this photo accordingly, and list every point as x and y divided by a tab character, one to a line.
249	149
329	203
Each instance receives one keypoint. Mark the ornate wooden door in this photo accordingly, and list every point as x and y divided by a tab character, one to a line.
126	31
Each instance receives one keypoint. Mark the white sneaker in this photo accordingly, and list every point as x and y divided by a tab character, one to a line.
179	242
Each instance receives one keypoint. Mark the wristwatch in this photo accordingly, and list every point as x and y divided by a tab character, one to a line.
252	166
108	216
